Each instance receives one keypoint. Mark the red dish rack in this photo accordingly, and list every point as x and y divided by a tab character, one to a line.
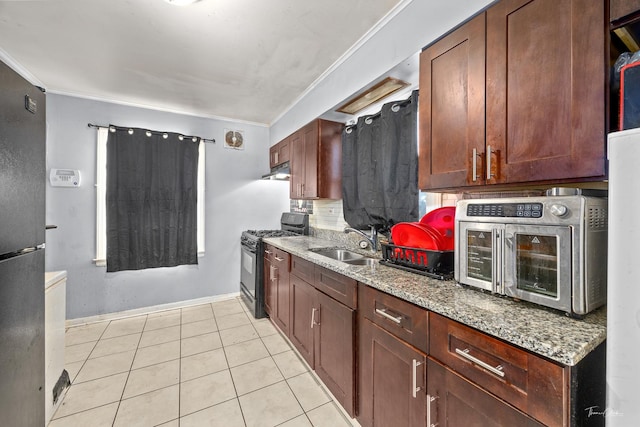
435	264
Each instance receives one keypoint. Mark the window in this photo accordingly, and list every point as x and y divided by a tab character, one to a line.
101	186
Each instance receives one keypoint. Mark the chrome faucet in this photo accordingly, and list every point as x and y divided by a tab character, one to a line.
372	239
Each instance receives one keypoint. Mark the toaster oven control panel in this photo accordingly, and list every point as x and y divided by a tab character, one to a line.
505	210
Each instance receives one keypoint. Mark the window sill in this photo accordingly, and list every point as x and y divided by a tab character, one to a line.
103	262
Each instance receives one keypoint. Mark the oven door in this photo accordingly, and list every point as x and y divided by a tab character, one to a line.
538	265
478	255
248	271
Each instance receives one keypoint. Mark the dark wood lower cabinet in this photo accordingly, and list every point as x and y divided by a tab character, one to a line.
302	304
323	331
269	291
280	283
334	355
392	380
455	401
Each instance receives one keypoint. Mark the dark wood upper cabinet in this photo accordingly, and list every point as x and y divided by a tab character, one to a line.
546	69
621	8
280	153
316	161
543	97
452	130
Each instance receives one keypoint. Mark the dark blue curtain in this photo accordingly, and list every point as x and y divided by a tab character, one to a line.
152	187
380	167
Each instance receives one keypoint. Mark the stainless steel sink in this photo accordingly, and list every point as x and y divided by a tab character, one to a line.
345	255
363	261
338	254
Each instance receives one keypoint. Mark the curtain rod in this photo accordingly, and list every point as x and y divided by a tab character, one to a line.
205	140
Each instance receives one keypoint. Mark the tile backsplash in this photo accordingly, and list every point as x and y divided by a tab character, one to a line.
303	206
328	214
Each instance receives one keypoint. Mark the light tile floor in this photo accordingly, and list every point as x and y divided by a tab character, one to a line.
205	365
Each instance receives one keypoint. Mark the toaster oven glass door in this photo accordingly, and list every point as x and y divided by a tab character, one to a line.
480	257
538	264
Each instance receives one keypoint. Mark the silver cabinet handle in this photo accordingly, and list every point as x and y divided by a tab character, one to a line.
313	317
272	273
302	188
429	400
268	252
496	370
474	169
489	174
415	389
275	156
383	313
279	259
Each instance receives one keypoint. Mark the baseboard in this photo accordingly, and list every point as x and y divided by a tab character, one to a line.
151	309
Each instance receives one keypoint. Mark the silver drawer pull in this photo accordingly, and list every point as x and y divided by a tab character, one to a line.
383	313
279	259
415	388
496	370
268	252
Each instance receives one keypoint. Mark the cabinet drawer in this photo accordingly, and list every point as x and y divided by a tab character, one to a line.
337	286
533	385
303	269
269	252
281	260
401	318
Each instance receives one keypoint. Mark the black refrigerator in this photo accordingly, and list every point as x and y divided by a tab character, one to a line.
22	227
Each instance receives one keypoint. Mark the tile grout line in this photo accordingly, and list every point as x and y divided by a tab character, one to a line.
146	317
226	358
78	373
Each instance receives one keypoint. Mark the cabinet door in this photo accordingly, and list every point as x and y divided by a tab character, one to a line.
545	89
334	349
269	291
281	284
274	156
452	102
310	141
302	309
621	8
284	152
297	166
528	382
389	379
454	401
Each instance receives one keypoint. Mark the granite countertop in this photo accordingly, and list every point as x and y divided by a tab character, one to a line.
543	331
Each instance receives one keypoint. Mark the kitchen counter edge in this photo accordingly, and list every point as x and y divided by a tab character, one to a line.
542	331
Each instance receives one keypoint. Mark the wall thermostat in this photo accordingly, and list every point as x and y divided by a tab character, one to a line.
64	177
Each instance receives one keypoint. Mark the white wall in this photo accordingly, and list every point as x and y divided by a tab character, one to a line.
235	200
415	26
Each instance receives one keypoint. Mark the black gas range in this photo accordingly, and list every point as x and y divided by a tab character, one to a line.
252	261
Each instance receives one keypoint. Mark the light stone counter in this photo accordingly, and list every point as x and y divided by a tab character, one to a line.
545	332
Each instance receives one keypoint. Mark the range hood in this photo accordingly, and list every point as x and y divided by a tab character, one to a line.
280	172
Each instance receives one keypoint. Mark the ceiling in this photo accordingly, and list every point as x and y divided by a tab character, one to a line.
246	60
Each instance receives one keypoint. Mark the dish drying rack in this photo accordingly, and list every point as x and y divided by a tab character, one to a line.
434	264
